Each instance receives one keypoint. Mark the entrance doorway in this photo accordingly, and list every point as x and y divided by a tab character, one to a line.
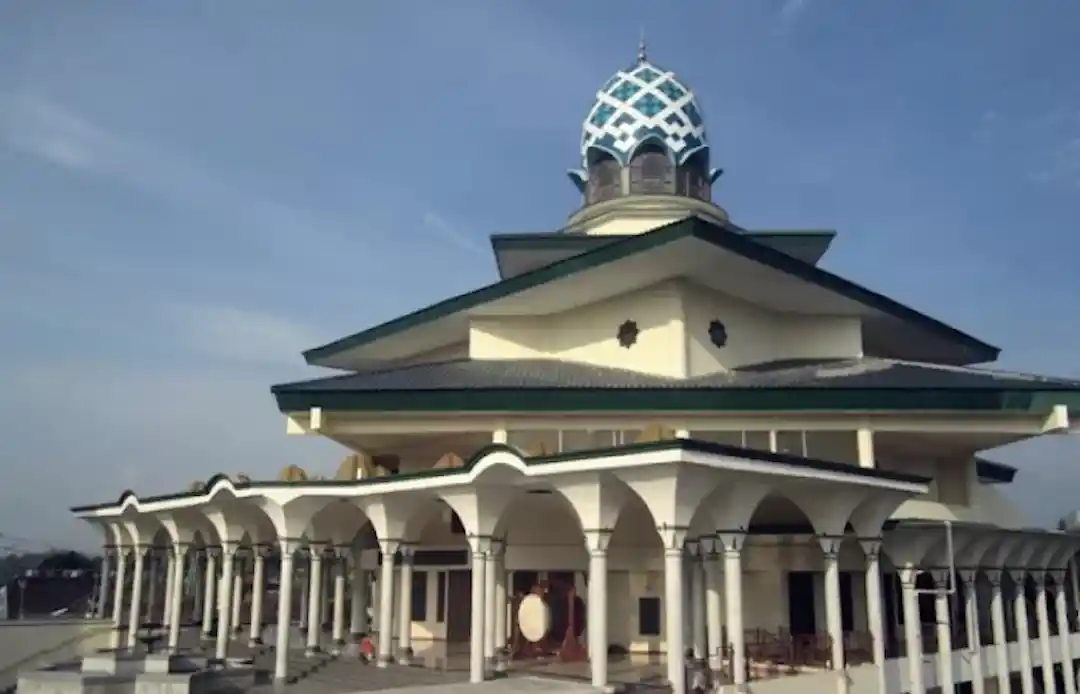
801	614
458	606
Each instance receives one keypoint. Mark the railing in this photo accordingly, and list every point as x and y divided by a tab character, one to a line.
771	654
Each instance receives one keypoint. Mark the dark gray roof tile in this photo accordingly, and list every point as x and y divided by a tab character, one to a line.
525	374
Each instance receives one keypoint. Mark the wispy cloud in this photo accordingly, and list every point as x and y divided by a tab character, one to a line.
43	128
443	228
790	10
241	335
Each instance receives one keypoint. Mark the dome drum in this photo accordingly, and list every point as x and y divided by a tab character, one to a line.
644	135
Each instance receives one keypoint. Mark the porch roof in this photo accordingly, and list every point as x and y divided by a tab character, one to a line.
677	451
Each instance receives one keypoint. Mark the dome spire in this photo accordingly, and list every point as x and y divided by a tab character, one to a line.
642	54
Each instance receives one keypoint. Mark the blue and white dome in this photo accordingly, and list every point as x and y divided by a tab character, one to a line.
644	103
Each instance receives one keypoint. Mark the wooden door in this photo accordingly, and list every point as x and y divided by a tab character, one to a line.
458	606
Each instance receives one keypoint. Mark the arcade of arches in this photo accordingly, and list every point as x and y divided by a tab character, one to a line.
777	567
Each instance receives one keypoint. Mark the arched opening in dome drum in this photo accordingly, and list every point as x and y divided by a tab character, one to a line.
651	172
692	177
605	178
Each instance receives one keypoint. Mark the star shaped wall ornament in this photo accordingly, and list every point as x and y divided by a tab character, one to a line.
628	334
718	333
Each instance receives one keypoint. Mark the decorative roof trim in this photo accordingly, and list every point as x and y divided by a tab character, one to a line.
690	446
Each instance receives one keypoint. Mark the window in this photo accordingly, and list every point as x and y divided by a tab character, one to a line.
605	180
440	597
649	616
419	596
651	172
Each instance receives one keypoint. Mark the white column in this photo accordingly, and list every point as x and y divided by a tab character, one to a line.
479	547
134	615
830	547
971	617
1023	633
258	589
697	603
337	631
228	562
103	581
597	542
284	612
326	591
489	607
386	602
305	593
500	604
240	567
358	623
713	601
118	594
732	544
912	627
1042	614
943	617
152	558
198	571
315	600
871	547
209	591
170	575
674	609
405	616
1062	613
997	622
175	596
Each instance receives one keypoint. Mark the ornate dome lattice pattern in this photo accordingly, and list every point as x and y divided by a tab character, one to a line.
644	103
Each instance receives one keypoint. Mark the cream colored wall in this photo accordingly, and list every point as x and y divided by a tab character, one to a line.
588	334
757	335
674	319
453	352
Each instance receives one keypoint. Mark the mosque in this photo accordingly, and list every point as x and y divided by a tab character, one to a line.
659	437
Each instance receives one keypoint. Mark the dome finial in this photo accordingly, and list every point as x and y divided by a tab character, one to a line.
642	54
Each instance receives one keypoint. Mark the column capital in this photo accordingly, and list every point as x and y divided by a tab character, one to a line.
212	551
871	547
407	550
968	575
830	546
908	576
289	546
480	544
498	546
1058	574
673	536
598	539
141	550
940	577
180	549
1038	575
229	548
389	546
1017	574
994	576
730	541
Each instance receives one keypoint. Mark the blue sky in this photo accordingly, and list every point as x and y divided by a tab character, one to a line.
192	193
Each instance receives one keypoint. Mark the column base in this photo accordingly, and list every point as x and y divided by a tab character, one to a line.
383	661
255	642
405	656
312	651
